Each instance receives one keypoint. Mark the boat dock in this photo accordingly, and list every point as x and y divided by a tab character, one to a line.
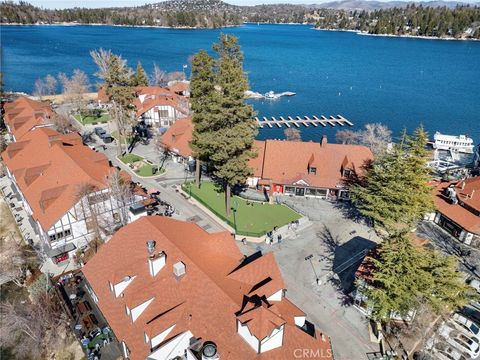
304	121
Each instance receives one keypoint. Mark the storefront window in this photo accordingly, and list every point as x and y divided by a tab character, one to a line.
311	192
322	192
289	190
299	191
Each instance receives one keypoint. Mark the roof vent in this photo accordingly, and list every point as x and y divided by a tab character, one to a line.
323	142
151	247
179	269
209	350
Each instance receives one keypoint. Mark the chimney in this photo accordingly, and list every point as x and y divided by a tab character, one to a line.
471	195
323	142
151	248
463	185
179	269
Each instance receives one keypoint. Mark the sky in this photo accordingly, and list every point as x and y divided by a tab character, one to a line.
61	4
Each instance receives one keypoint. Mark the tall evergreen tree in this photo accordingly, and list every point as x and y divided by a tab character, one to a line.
406	275
139	78
202	97
233	130
395	191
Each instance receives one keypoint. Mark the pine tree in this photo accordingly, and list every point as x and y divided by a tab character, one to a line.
397	280
202	84
406	276
233	130
139	78
395	191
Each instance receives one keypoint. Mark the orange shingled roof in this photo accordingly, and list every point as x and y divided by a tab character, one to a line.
49	169
261	321
206	300
179	87
178	137
463	215
24	114
286	162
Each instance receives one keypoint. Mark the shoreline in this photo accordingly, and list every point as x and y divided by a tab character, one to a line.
120	25
365	33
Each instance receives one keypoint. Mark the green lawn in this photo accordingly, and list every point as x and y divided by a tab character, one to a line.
130	158
255	219
147	170
93	119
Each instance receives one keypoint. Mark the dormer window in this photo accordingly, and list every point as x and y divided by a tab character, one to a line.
347	173
313	171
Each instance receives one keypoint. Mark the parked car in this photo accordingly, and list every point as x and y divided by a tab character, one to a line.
475	304
99	131
465	325
107	138
460	341
474	283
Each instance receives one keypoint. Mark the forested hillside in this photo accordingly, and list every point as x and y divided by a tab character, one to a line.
414	20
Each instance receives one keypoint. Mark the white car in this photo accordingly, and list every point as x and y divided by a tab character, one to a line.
475	284
460	341
465	325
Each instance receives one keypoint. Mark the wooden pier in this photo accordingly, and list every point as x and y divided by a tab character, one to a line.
306	121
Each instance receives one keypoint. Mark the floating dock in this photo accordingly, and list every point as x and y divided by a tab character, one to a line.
304	121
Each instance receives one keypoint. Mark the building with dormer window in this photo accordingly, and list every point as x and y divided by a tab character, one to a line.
170	290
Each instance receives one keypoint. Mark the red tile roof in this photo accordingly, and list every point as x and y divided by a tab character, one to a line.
24	114
178	137
286	162
49	168
206	300
155	96
462	213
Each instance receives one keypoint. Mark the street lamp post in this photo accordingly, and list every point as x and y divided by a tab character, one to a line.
234	208
309	258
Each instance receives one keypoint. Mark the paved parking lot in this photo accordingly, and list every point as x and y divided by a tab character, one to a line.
337	244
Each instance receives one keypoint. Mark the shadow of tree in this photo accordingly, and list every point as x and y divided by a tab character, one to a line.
347	259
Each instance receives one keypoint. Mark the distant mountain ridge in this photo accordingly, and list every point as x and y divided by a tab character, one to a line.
369	5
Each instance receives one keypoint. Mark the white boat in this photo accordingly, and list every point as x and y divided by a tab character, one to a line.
460	143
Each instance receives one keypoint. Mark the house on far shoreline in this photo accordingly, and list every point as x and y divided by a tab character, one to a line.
156	106
458	209
24	115
63	187
170	290
296	168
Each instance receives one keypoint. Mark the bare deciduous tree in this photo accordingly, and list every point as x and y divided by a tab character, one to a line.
158	77
50	84
112	68
121	192
32	329
74	88
12	263
123	122
292	134
62	123
89	197
39	89
45	86
346	137
375	136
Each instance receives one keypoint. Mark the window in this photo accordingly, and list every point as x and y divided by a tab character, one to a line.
321	192
163	113
311	192
289	190
313	170
60	235
347	173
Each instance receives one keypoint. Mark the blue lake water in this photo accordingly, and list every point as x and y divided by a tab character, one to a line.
397	81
